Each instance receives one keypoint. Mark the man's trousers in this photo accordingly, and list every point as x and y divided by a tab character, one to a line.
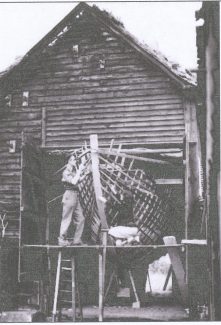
72	212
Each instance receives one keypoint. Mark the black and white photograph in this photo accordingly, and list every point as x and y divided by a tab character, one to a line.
110	161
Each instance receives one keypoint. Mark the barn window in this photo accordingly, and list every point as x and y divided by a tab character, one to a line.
8	101
102	64
75	49
25	98
12	146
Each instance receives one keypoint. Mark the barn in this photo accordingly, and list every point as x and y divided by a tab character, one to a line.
88	75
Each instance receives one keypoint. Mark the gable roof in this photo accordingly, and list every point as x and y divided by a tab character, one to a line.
183	78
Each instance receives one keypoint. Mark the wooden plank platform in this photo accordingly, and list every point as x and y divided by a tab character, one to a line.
185	243
98	246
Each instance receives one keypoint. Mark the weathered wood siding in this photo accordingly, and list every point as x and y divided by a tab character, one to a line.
129	99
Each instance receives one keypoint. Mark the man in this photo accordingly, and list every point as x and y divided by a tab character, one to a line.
71	205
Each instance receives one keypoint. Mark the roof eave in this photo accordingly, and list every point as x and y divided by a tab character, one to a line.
184	84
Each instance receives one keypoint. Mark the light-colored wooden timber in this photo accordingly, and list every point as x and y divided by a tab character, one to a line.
57	282
169	181
177	267
96	179
155	161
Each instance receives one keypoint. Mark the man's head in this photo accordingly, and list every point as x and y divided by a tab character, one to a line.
72	161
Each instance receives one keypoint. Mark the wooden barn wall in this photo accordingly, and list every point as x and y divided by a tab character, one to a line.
128	100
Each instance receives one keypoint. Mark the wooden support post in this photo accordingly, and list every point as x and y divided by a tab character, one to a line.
100	302
104	242
177	267
42	305
73	287
54	312
102	266
79	297
101	212
148	277
192	171
21	205
96	180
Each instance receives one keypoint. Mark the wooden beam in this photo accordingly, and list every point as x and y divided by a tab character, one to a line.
159	145
97	180
99	246
100	283
21	203
149	160
169	181
102	267
198	242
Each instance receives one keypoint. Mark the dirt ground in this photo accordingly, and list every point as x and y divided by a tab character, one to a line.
154	312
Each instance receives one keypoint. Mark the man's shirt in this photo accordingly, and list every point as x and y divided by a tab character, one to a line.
68	178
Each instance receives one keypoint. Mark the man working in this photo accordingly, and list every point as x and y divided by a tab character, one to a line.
71	205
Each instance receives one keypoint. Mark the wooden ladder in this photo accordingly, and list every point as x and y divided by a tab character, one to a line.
66	285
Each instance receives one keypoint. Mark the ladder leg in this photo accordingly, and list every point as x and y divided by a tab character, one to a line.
56	288
73	287
137	304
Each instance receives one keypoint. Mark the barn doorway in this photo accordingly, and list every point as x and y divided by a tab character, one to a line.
53	162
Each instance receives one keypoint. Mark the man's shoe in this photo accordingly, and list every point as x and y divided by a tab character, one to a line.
63	242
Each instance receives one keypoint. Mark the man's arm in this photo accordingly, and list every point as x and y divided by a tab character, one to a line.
70	177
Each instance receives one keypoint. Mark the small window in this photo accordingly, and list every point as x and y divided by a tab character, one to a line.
12	146
25	98
75	49
102	64
8	100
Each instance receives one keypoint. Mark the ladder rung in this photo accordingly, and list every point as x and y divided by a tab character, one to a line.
65	260
22	294
67	291
66	301
66	268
